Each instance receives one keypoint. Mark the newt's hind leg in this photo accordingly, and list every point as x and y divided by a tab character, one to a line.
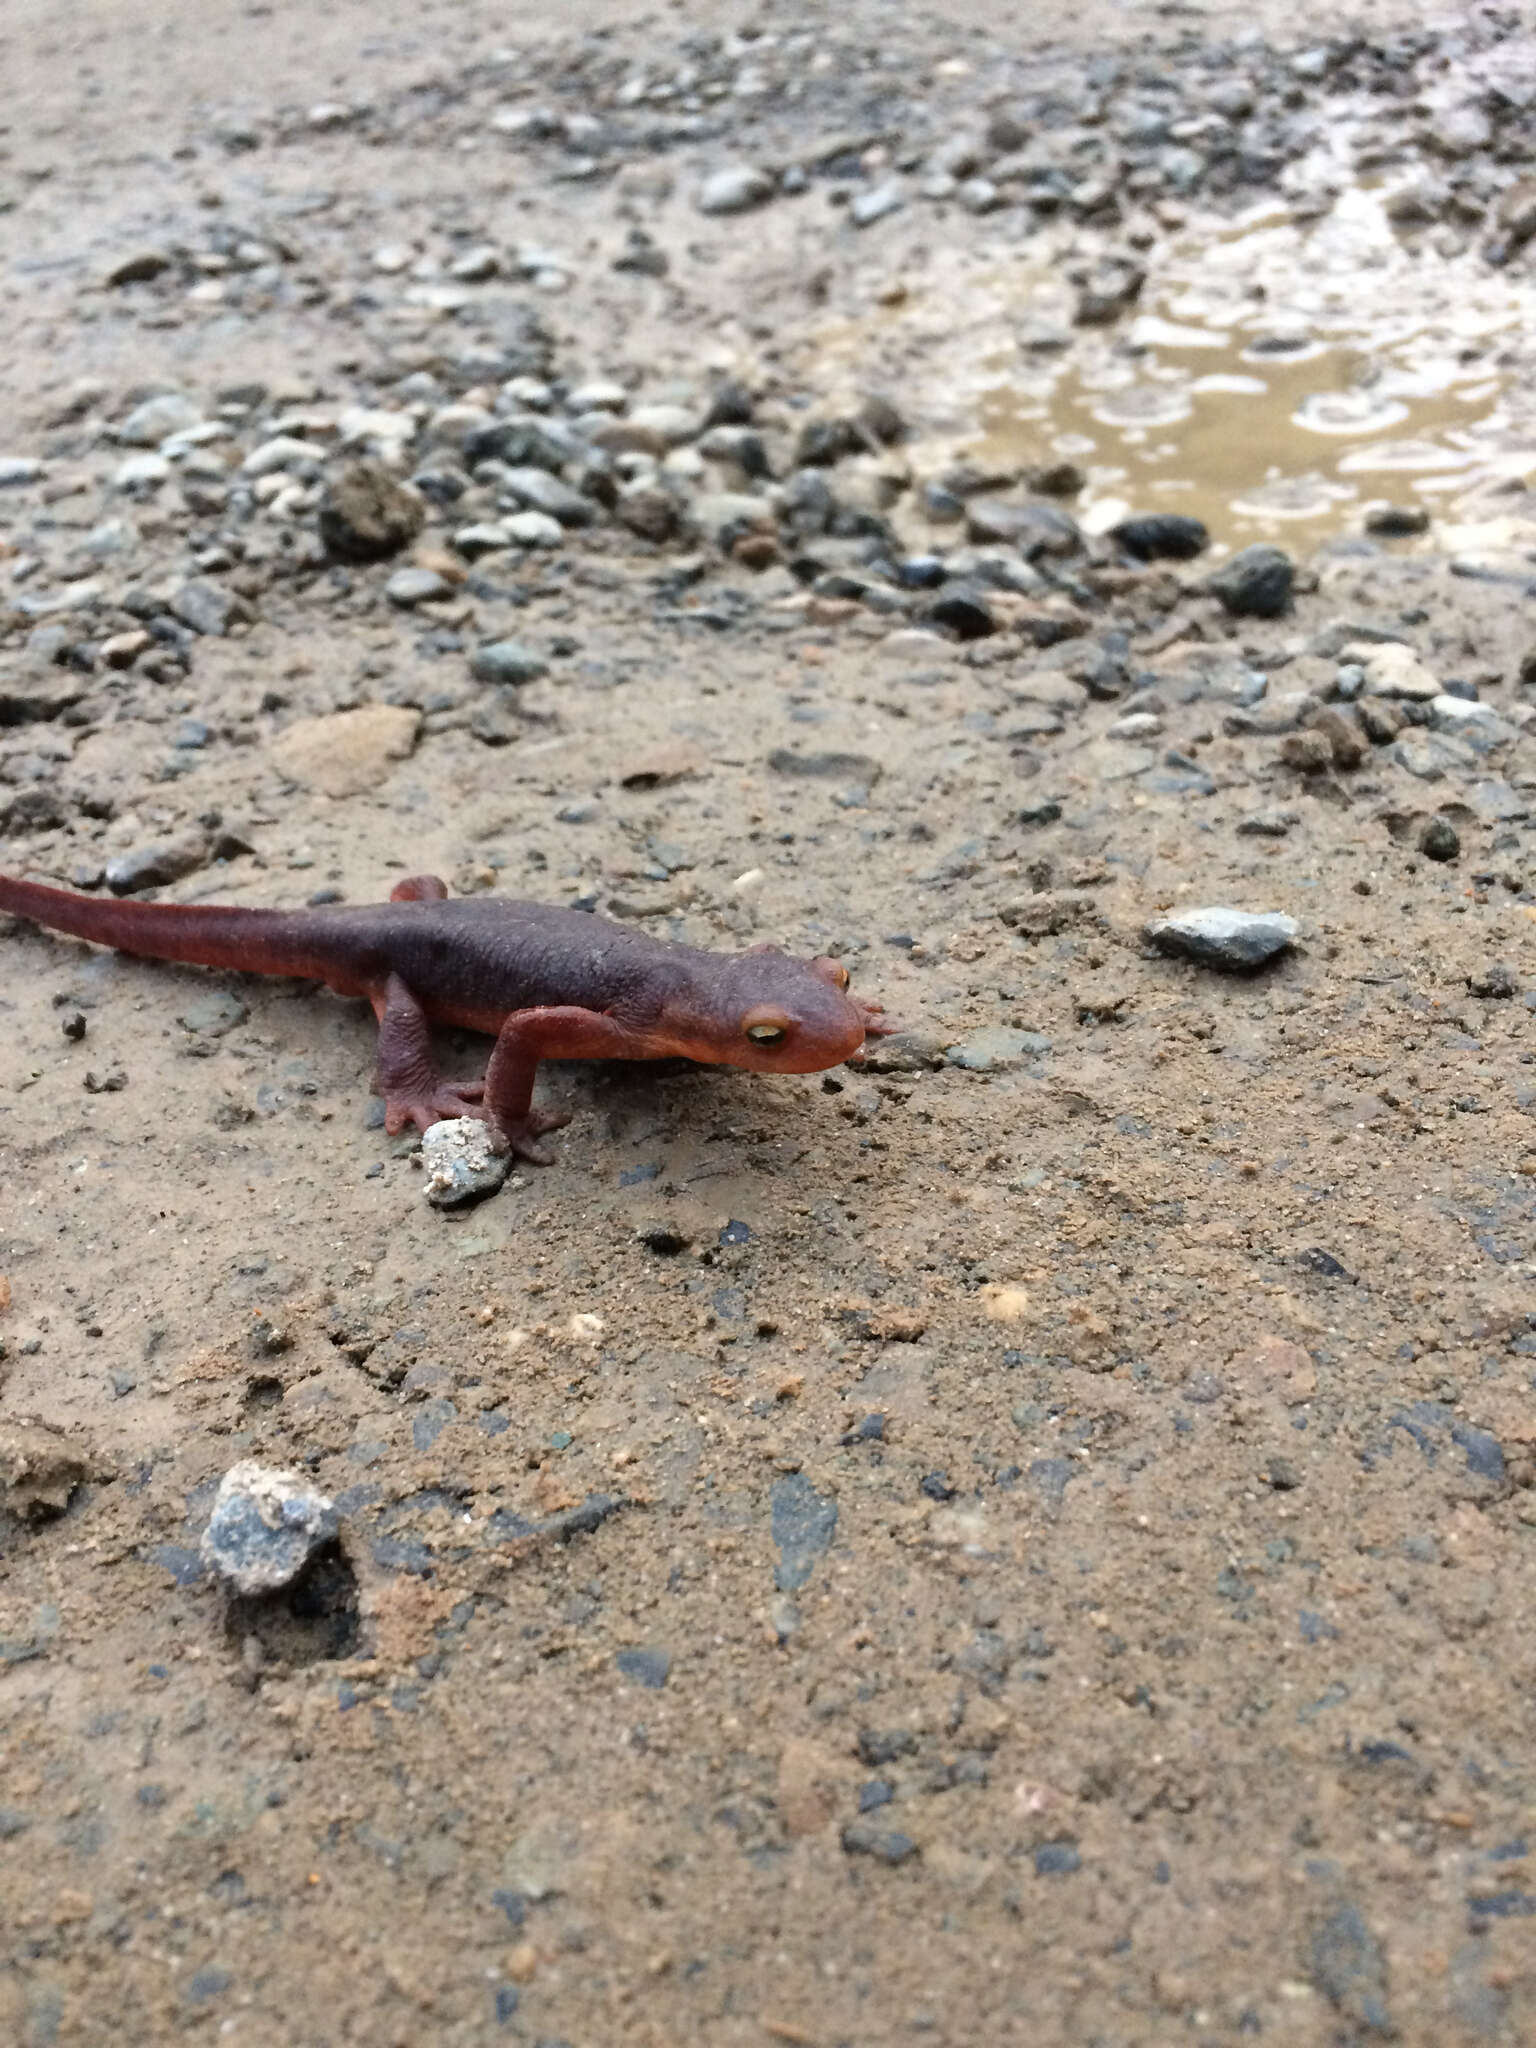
414	1091
419	889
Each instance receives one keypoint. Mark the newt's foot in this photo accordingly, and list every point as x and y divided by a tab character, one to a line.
876	1023
521	1138
445	1099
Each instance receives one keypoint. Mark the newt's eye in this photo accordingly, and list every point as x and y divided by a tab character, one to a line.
842	978
765	1034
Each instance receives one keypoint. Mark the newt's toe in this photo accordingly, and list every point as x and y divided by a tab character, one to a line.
448	1099
522	1137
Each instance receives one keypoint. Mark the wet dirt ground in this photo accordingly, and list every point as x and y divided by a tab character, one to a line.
1032	1539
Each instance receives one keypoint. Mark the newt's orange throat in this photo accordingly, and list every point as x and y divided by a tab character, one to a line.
548	983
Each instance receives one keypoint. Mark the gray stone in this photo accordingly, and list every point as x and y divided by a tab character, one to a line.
367	514
208	608
979	195
488	538
533	530
884	1845
137	476
265	1527
804	1523
16	470
461	1168
152	867
1235	941
650	1668
408	588
1392	670
541	492
1349	1967
157	419
737	188
862	768
1034	530
1110	289
865	208
1396	522
476	265
1430	755
1440	840
1161	536
1256	583
1271	824
508	662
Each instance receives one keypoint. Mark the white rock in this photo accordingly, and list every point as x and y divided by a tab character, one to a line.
534	530
283	452
157	418
141	474
1392	670
735	189
362	424
602	394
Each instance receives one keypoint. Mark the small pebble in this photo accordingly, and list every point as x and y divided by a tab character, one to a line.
460	1166
265	1527
1440	840
1235	941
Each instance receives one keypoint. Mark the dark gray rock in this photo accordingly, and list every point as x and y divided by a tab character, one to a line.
804	1523
265	1527
1256	583
1440	840
138	267
1495	983
884	1845
650	1668
460	1166
1235	941
1035	530
963	610
209	608
1349	1967
33	810
1162	537
151	867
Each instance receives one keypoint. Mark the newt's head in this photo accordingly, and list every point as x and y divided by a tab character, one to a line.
778	1015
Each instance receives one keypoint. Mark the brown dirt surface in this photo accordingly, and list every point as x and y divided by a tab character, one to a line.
1029	1540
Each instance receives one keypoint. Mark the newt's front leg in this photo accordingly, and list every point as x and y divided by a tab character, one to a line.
414	1091
528	1036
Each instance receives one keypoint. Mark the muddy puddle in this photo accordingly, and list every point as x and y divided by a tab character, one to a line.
1274	377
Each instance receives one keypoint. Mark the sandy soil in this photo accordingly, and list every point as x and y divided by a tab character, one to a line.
1031	1541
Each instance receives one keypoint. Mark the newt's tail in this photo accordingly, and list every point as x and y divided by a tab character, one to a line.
206	935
